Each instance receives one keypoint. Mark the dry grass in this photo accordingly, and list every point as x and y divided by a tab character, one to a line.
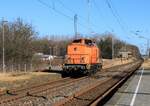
107	63
146	64
18	80
11	78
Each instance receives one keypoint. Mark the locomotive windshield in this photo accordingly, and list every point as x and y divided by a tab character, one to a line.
77	41
89	42
84	41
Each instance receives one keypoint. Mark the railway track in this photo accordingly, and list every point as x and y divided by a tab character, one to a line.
16	94
99	93
68	91
18	90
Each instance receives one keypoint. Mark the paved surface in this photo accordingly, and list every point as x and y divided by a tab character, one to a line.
135	92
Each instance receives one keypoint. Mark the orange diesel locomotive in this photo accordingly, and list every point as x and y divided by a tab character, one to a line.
83	56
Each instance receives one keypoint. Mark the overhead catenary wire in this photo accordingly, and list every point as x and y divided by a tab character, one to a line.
79	16
59	12
118	18
99	11
53	7
89	27
124	24
66	7
114	14
130	32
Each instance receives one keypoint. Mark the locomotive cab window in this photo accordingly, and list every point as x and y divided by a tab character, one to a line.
89	42
77	41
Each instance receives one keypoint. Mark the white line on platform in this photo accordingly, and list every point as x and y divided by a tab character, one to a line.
137	88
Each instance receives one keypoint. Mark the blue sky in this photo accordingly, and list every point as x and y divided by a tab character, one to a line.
133	15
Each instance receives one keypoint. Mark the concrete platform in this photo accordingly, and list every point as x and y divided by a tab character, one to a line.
135	92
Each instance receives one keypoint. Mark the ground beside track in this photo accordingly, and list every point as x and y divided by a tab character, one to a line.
146	64
135	92
17	80
107	63
20	80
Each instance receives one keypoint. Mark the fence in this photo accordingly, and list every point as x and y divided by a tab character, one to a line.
30	67
23	67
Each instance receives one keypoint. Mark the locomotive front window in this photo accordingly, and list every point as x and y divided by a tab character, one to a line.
88	42
77	41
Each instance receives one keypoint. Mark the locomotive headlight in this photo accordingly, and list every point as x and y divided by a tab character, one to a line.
88	66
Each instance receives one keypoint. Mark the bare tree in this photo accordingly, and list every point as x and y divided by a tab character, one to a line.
18	39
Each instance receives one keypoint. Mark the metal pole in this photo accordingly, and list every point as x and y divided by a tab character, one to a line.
3	33
148	48
88	3
3	47
55	50
50	55
75	25
112	48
